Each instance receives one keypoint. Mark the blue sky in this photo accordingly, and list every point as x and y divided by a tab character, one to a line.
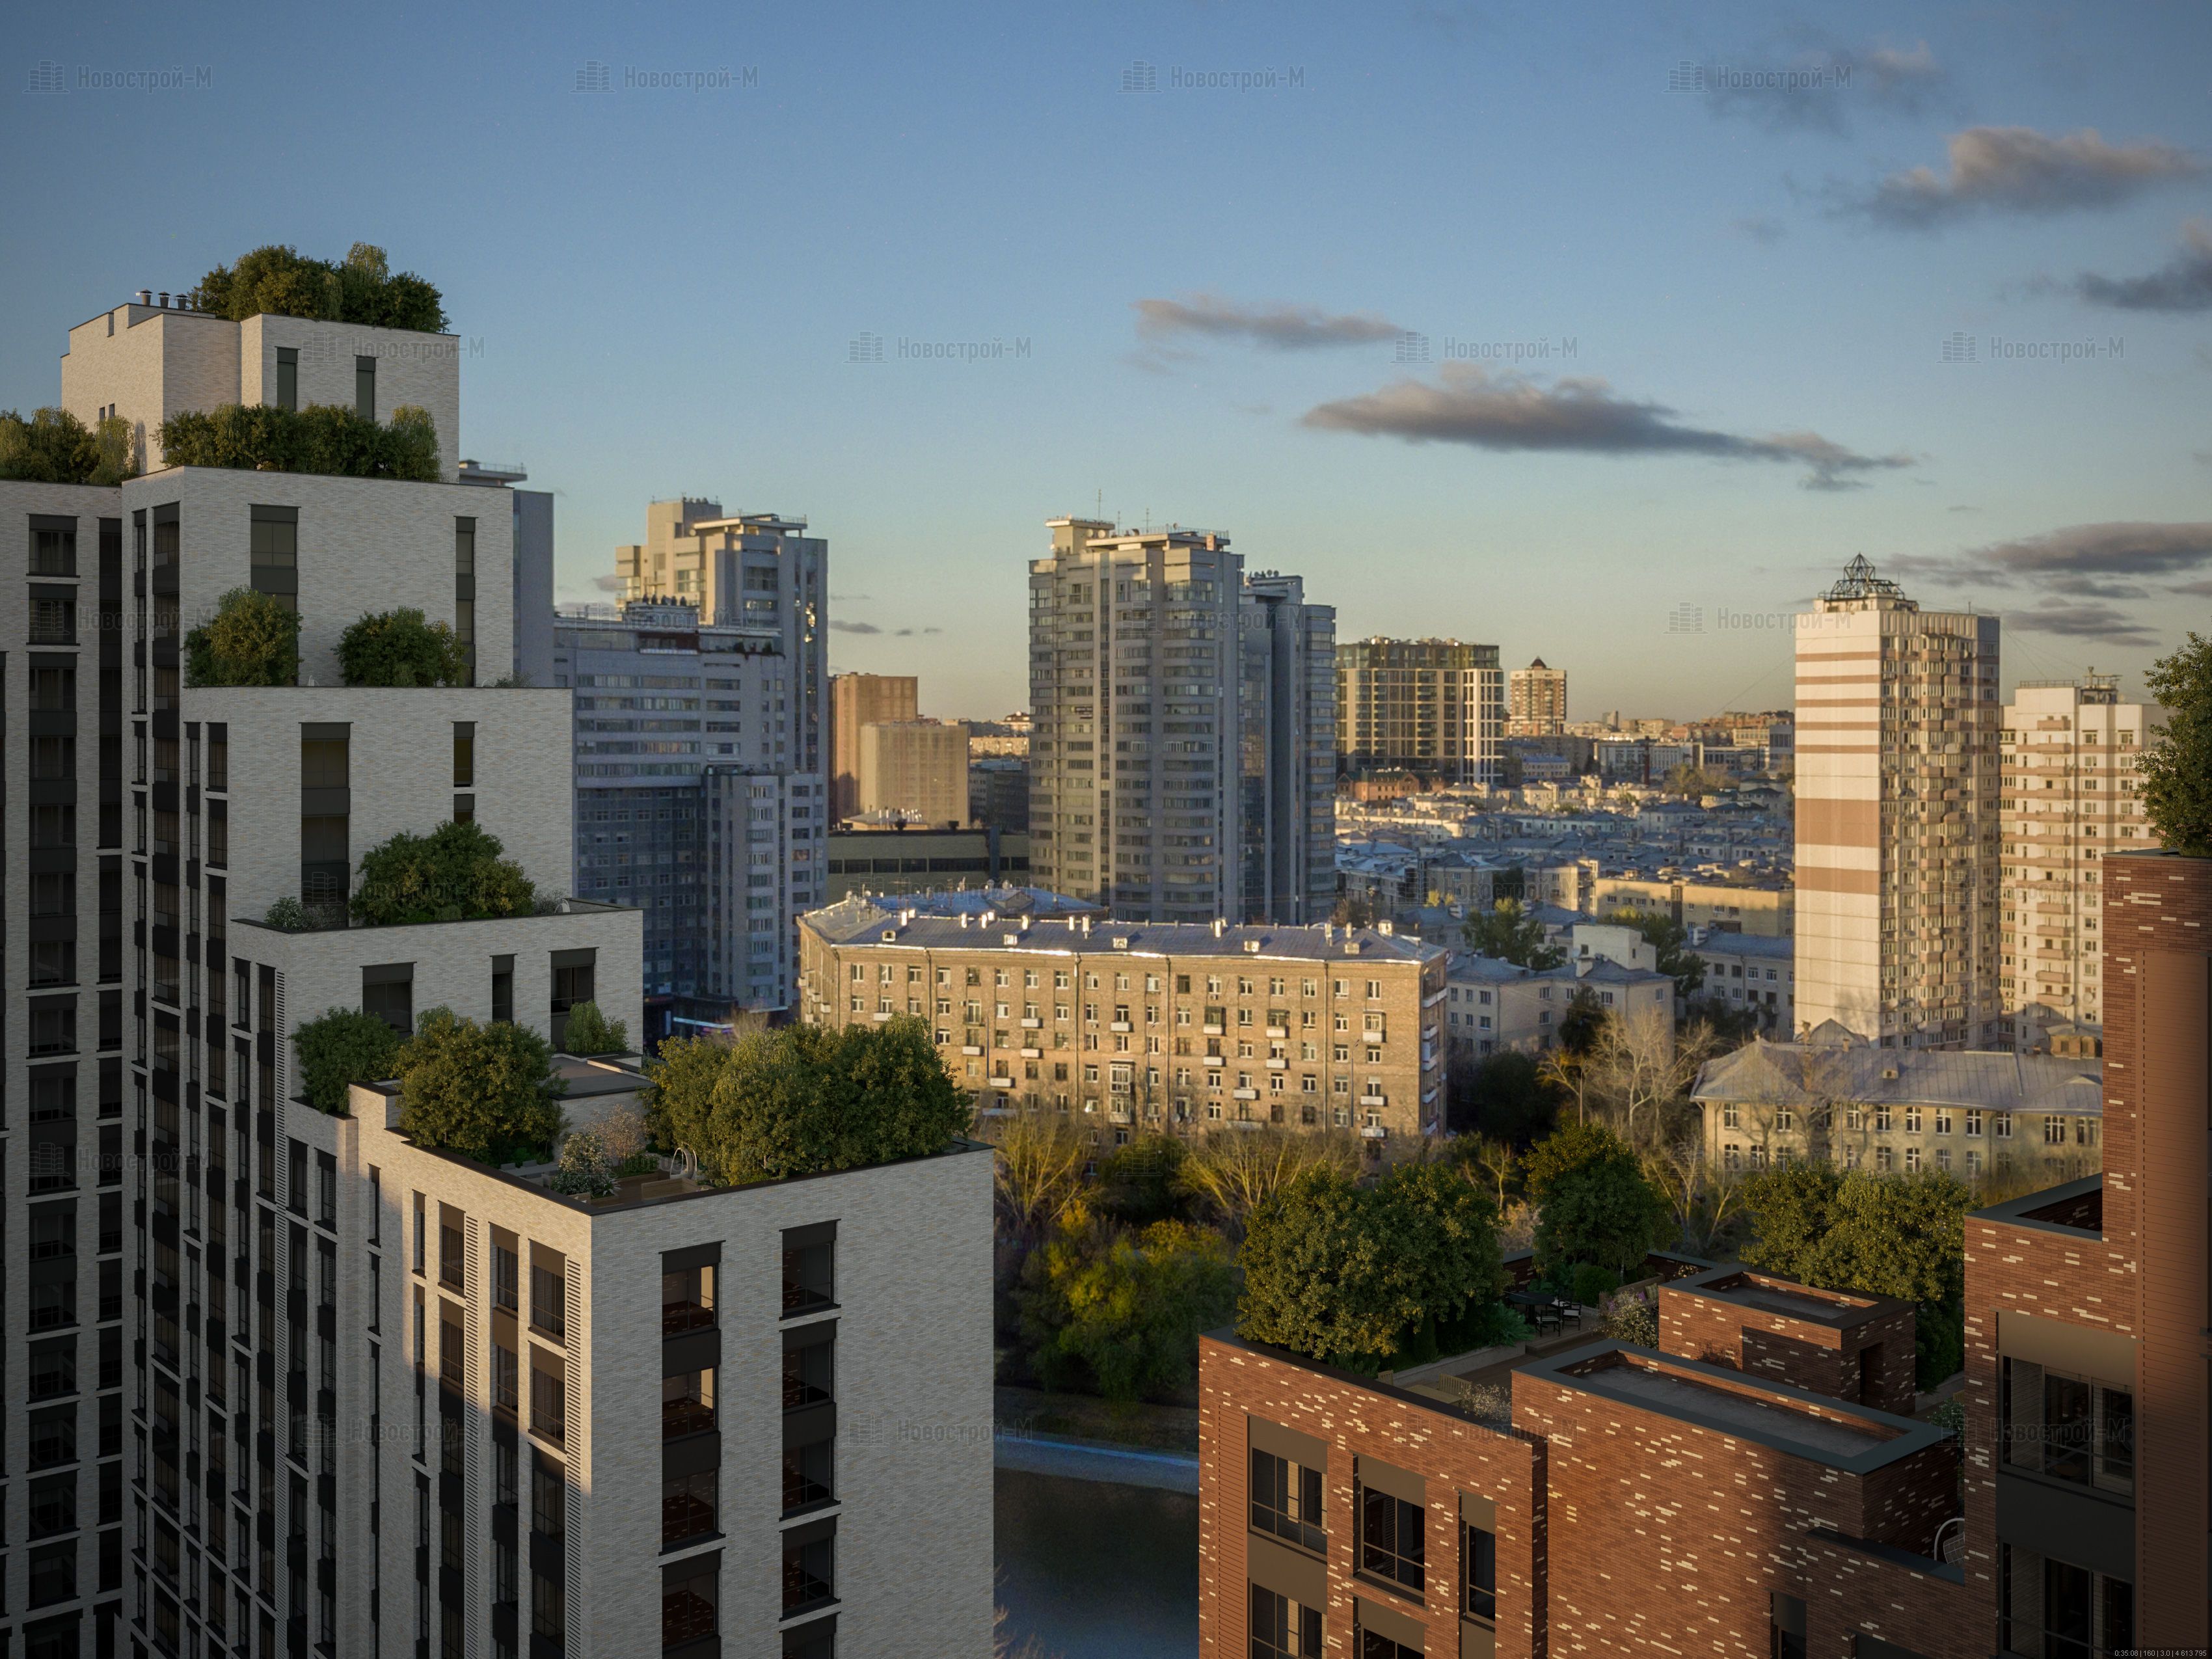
660	288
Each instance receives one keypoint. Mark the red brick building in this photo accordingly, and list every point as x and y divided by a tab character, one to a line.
1749	1488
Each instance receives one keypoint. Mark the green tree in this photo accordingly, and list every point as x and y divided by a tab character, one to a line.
343	1046
252	639
1126	1307
361	288
487	1092
1038	1170
584	1170
399	648
1571	1147
1670	942
2177	767
1234	1171
1508	932
588	1032
1358	1275
1900	1236
808	1099
54	447
1603	1215
1583	1018
323	438
456	873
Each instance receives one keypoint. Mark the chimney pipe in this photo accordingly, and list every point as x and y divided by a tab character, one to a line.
165	299
145	296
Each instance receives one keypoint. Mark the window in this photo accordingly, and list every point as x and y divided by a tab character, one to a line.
687	1506
364	387
687	1403
809	1269
288	377
1282	1628
2059	1610
465	605
549	1403
504	1281
1390	1542
1373	1645
1286	1500
1479	1570
549	1497
387	991
2067	1427
807	1475
688	1603
687	1300
465	754
273	553
549	1301
505	1377
809	1374
809	1561
502	990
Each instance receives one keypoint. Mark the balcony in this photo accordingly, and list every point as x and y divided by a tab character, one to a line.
1032	1025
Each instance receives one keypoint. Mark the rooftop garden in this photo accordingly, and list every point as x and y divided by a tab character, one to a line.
2177	765
54	447
252	638
457	873
399	648
360	289
487	1091
804	1100
323	438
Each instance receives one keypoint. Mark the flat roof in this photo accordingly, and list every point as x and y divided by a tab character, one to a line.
2076	1208
1852	1439
1837	1310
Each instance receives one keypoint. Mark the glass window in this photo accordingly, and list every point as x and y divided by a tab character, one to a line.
1390	1539
1480	1573
1282	1628
1286	1500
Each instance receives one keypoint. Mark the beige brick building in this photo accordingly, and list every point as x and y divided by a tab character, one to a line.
916	768
682	1420
1136	1027
2069	749
857	700
1976	1114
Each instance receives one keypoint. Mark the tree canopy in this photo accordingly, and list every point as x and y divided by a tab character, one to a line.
399	648
485	1091
343	1046
2177	767
360	289
1595	1208
588	1032
1902	1235
54	447
1126	1306
1357	1274
252	639
456	873
323	438
1507	931
805	1100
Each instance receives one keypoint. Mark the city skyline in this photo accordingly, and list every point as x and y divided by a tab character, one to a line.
1882	281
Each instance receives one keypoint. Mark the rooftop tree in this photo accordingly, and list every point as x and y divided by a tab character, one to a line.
399	648
2177	767
360	289
456	873
252	638
487	1091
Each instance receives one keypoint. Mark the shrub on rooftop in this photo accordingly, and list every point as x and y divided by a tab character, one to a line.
359	288
344	1046
456	873
2177	765
399	648
323	438
54	447
252	638
487	1091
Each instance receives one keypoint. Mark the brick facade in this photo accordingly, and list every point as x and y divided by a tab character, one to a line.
1699	1316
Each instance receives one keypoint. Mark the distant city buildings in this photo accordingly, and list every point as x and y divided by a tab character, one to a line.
916	770
1897	787
1434	708
1177	720
2069	749
1537	701
858	701
700	796
1130	1027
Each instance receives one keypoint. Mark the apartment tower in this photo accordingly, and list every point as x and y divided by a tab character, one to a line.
916	769
2069	748
1435	707
1897	861
1134	801
1536	702
856	701
1287	747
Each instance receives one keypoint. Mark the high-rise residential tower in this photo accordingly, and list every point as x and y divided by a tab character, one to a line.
2069	749
701	791
1897	861
1536	702
917	769
1436	707
1288	747
856	701
1135	801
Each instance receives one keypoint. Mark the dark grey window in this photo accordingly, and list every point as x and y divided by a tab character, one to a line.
465	754
809	1566
573	981
1282	1628
387	991
53	546
1286	1500
810	1269
2069	1428
364	387
1481	1571
688	1603
288	377
1390	1538
464	590
687	1506
808	1475
502	989
273	548
810	1373
325	811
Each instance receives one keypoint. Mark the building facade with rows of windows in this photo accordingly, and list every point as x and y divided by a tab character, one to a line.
1136	1027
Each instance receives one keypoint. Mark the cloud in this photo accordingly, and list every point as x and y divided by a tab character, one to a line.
909	632
1276	326
609	584
850	598
2101	623
1513	412
2020	170
2184	282
2094	560
840	626
1759	228
1817	87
